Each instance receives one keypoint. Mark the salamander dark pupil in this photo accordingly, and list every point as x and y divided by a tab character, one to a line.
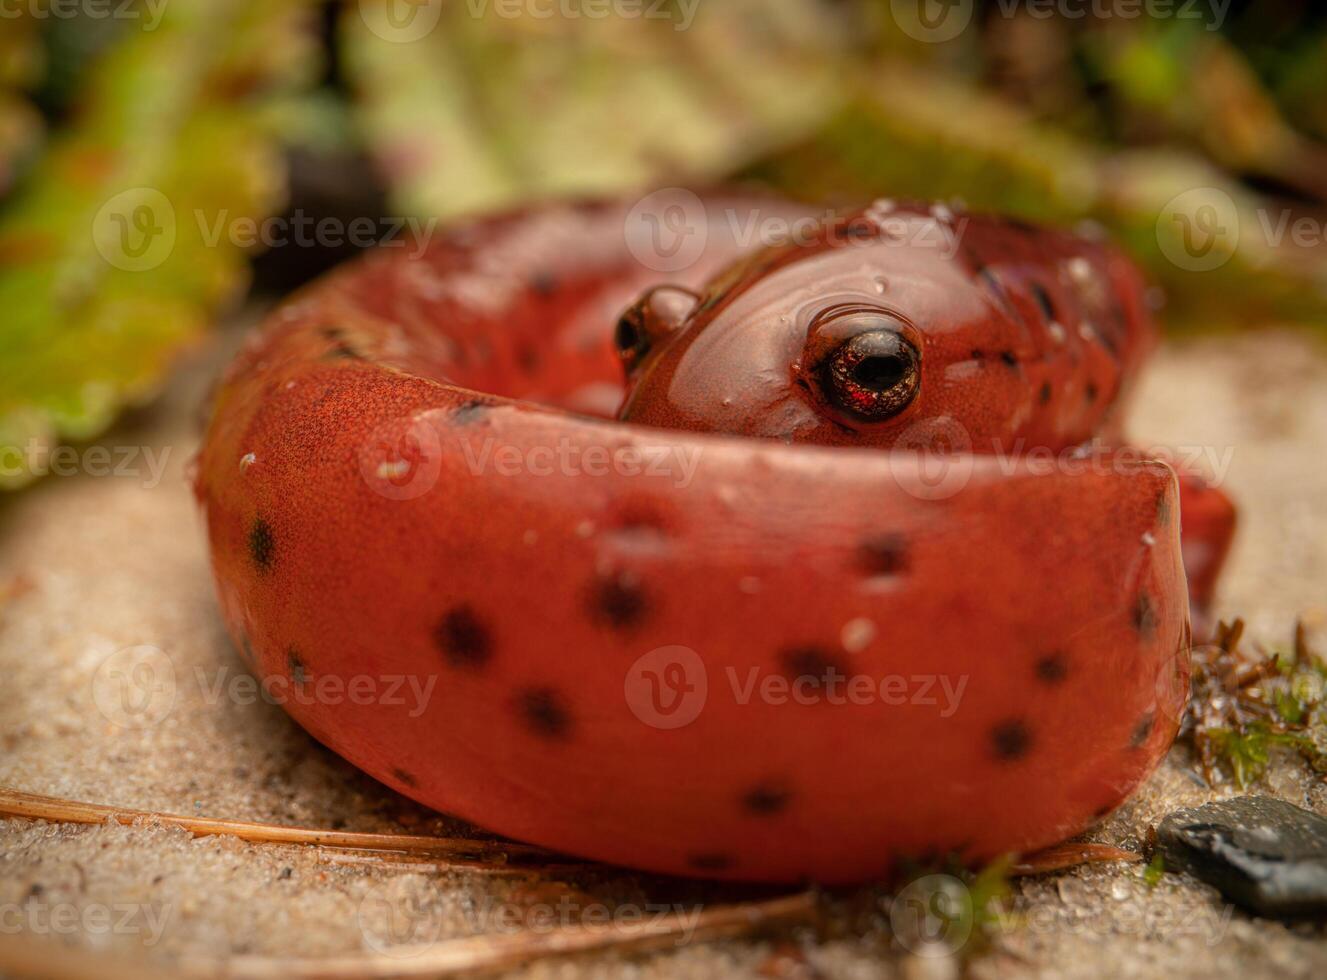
879	373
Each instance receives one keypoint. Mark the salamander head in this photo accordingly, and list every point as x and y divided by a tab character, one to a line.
875	325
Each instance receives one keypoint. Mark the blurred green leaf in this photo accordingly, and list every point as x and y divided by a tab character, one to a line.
116	252
484	110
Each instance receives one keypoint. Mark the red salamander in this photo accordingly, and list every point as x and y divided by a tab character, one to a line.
853	567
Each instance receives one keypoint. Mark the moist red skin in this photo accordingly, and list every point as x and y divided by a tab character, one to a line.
378	507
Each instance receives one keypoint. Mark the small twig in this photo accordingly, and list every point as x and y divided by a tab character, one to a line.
483	954
1070	855
448	852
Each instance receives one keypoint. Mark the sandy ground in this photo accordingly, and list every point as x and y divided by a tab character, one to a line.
114	561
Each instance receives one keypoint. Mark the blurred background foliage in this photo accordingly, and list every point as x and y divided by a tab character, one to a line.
166	121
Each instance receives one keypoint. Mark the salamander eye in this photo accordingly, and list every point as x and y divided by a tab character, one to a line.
872	375
629	338
654	317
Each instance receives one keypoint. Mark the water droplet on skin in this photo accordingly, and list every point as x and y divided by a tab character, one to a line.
857	634
584	529
247	460
1087	331
1056	331
1080	270
881	284
1149	539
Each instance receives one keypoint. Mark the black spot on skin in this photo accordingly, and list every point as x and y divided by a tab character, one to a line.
1142	730
811	665
710	862
766	800
1090	392
544	284
262	545
884	554
1144	615
859	228
1007	356
1045	393
1053	668
618	601
527	358
544	712
978	355
298	674
463	638
1011	740
405	778
1044	301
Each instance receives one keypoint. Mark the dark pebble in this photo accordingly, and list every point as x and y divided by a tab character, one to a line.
1268	856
